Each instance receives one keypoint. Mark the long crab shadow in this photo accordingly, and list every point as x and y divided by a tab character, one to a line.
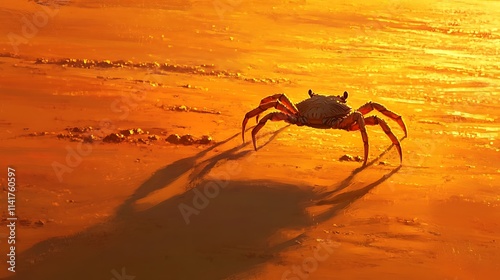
170	173
157	243
223	236
343	200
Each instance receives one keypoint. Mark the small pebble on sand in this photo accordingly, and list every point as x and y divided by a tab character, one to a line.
114	138
173	138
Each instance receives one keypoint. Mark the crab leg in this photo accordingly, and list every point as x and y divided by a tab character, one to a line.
274	116
374	120
281	97
263	107
370	106
355	121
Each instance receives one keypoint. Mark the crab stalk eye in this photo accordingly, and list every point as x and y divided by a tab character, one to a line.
311	93
345	95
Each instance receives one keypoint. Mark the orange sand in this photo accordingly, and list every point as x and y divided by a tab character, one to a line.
291	210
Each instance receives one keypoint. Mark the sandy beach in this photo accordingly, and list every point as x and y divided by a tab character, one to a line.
93	94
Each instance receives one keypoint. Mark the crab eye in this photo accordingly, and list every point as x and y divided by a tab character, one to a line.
310	92
345	95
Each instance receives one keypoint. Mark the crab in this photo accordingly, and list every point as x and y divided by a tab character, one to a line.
325	112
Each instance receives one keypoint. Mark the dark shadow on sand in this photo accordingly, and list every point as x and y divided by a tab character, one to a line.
227	236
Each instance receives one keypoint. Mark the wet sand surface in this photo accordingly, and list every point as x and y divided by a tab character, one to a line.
95	206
